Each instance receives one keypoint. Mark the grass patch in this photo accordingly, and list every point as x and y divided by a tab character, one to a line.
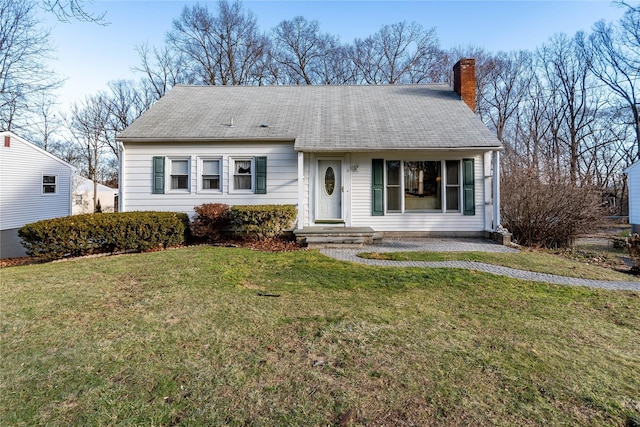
182	337
528	260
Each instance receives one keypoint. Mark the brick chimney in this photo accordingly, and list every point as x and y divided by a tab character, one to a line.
464	81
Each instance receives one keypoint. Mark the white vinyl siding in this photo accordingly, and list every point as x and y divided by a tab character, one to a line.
22	168
633	178
138	169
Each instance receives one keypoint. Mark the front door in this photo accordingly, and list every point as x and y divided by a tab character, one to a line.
329	190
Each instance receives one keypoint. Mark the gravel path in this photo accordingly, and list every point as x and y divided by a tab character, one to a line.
464	245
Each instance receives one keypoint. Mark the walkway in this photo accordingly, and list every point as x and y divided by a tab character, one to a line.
464	245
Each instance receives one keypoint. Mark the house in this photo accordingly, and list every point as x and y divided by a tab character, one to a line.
83	190
394	158
633	181
36	185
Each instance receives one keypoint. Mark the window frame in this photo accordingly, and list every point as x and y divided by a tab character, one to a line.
55	185
201	175
169	175
443	188
232	174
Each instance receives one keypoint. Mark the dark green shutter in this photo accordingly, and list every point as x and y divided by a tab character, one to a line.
158	175
377	185
261	175
468	184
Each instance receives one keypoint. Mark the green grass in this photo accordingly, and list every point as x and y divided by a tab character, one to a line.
537	261
182	337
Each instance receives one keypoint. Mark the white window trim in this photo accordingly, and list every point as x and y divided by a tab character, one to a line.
42	184
200	174
167	181
232	169
443	184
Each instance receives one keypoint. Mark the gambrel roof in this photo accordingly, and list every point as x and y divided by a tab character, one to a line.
316	118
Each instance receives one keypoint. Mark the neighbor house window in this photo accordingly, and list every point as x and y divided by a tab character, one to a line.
179	174
49	184
210	174
394	187
242	174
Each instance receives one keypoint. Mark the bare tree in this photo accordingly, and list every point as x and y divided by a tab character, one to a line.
162	69
88	125
226	48
65	10
505	84
47	123
398	53
573	97
124	103
615	60
24	49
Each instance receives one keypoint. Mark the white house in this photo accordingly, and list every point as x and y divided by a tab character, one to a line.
35	185
83	189
393	158
633	181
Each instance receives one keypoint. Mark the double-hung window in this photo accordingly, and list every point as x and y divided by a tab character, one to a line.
242	169
210	173
49	184
179	178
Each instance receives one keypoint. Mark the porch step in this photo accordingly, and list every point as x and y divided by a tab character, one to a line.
329	237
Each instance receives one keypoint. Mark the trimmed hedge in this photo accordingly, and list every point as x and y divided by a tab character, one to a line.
263	221
104	233
634	250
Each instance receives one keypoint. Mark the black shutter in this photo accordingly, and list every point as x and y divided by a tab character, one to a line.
261	175
377	185
158	175
468	187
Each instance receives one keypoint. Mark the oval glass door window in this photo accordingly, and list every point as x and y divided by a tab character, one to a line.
329	180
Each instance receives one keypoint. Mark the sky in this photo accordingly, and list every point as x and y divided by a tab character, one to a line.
90	55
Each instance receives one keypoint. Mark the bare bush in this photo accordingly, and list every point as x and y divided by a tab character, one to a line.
547	213
210	220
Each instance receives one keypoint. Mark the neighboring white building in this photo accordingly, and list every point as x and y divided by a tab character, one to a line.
34	185
394	158
633	181
83	196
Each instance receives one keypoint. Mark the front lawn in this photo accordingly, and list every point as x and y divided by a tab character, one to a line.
228	336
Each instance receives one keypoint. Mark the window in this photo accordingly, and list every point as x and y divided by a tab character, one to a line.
453	186
425	186
394	190
78	199
179	174
210	175
49	184
242	174
422	186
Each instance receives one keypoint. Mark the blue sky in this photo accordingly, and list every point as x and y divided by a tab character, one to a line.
89	55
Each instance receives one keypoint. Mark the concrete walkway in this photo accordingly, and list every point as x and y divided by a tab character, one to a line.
464	245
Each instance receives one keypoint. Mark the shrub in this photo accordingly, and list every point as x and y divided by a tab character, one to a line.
263	221
210	220
547	213
103	233
634	250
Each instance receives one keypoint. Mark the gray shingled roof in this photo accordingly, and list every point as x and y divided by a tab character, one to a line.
317	118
